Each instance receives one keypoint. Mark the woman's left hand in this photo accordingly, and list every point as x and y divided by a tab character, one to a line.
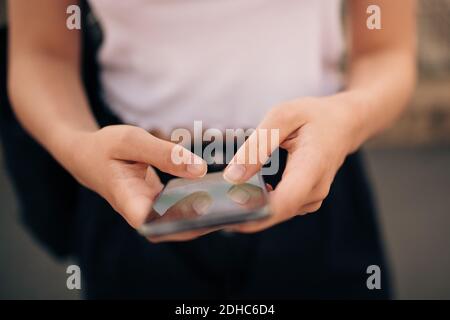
318	134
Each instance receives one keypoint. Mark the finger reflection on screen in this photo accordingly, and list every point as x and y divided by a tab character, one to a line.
187	210
247	195
194	205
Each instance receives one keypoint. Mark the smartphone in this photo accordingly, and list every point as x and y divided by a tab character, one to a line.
211	201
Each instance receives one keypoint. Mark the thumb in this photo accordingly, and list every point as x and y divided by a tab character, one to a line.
140	146
254	153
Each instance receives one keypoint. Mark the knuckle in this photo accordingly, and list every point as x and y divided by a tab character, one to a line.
112	139
315	207
324	191
113	199
125	134
311	208
122	137
281	113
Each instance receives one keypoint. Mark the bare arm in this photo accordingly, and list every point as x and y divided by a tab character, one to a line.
44	81
382	64
48	98
319	133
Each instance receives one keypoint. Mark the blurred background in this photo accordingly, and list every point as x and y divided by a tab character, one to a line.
409	166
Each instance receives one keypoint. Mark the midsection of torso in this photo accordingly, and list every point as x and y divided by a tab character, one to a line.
166	63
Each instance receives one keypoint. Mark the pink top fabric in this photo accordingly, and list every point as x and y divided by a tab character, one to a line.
167	63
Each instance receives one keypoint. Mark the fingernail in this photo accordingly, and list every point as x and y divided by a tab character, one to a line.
234	172
197	169
239	195
202	204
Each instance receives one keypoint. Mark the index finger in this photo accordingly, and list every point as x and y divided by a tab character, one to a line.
138	145
275	128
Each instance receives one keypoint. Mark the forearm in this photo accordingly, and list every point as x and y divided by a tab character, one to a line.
378	89
382	68
49	101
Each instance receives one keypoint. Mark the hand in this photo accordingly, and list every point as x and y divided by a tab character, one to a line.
116	162
318	134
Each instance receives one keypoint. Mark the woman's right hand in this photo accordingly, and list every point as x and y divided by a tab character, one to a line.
116	162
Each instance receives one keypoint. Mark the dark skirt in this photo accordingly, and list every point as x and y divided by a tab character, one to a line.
321	255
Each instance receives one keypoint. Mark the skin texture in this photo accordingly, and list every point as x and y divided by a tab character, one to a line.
116	161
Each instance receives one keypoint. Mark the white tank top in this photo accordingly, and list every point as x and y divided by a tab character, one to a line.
167	63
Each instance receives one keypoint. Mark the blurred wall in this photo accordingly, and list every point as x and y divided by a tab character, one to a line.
434	36
427	121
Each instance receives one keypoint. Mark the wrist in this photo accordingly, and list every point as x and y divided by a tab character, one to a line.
67	145
351	109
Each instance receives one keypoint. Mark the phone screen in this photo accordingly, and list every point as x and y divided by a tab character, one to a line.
207	202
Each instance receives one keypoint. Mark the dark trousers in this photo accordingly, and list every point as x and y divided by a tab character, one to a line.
321	255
